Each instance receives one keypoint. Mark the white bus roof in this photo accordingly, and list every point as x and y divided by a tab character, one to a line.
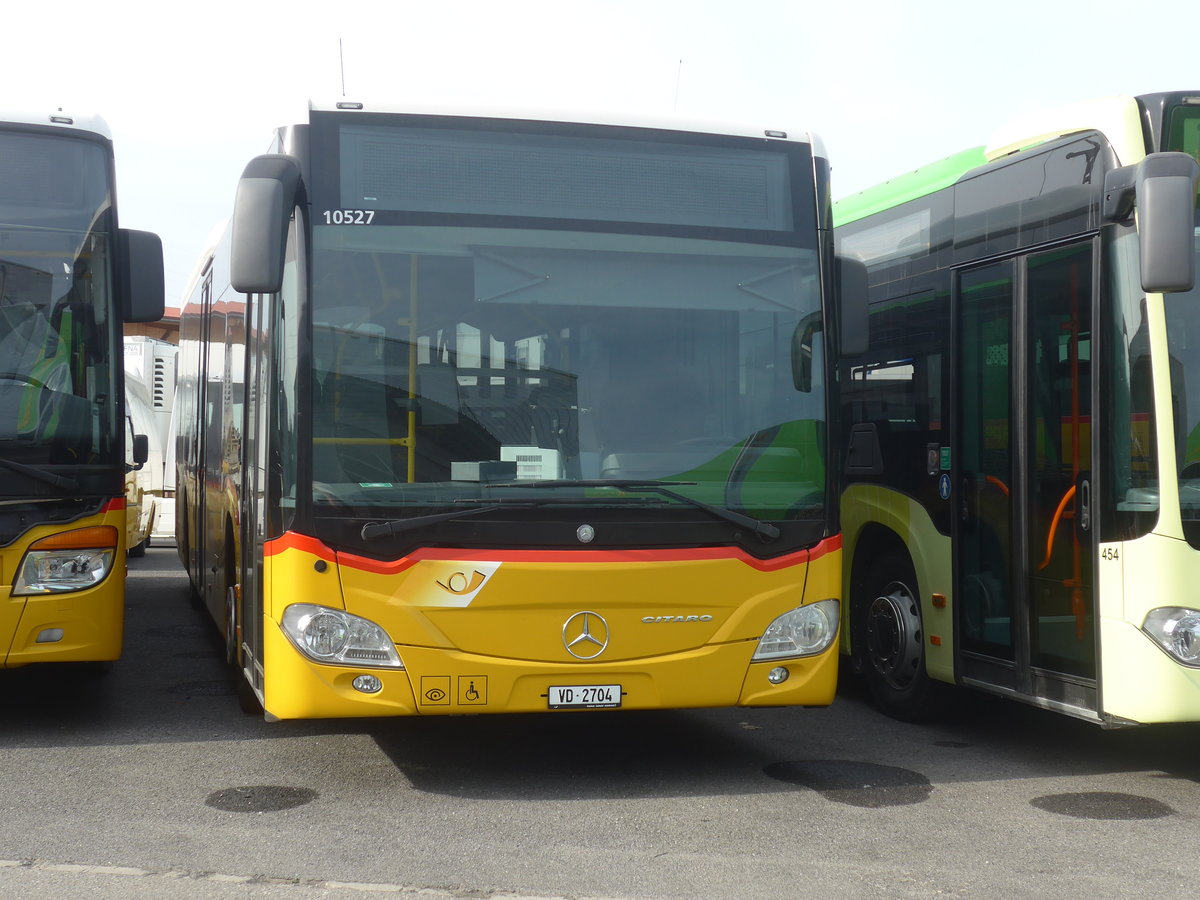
57	119
776	130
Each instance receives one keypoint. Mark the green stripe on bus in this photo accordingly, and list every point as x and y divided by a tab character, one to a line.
910	186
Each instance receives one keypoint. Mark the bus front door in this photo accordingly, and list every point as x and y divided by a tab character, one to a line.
1023	550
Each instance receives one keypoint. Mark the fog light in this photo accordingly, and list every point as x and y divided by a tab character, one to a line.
50	636
368	684
778	675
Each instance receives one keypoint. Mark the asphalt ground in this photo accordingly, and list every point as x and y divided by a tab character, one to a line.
150	782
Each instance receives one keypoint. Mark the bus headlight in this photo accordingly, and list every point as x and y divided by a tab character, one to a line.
805	631
1177	630
334	636
70	561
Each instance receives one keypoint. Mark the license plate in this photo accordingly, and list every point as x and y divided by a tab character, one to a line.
585	696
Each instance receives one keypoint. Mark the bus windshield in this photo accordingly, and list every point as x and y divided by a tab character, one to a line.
508	303
447	359
57	389
1183	336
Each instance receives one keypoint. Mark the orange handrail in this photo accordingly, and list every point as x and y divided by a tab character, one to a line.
1058	514
996	482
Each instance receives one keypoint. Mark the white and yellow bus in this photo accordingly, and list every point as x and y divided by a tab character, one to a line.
1022	439
495	413
69	279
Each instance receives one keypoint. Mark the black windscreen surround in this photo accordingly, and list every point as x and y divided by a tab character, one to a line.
377	169
526	311
51	181
58	316
483	173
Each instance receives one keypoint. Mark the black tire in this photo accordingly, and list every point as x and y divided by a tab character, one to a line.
138	550
890	638
194	599
247	699
184	549
232	656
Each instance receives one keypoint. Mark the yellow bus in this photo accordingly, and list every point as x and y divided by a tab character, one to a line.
486	413
1021	447
69	278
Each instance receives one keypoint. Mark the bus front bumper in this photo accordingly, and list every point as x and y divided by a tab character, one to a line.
447	682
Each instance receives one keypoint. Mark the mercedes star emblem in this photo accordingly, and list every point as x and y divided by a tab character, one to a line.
585	635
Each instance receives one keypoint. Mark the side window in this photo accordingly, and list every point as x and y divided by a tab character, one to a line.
897	392
1128	447
285	326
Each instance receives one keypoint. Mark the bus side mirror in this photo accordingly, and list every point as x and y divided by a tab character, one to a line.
266	196
140	261
141	450
1166	192
1163	189
852	294
850	300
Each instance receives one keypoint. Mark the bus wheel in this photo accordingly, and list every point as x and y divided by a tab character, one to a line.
247	699
194	599
893	643
231	648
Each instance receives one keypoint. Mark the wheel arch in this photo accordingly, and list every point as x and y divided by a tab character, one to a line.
872	541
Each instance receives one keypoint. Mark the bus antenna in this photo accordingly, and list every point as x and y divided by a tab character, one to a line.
342	66
678	78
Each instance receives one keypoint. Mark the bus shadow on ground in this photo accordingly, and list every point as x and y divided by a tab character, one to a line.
577	756
170	685
1002	736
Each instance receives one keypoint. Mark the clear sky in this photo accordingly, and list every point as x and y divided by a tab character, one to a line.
192	91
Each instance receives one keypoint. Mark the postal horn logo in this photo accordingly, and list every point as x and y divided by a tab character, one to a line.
585	635
455	583
461	583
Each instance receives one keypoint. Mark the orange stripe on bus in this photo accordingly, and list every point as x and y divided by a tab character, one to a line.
290	540
306	544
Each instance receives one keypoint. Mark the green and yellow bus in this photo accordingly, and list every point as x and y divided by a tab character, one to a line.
497	412
1022	450
69	279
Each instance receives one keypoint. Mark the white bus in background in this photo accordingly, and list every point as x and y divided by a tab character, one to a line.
150	377
142	487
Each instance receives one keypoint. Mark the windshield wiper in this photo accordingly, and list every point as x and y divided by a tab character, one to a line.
765	531
373	530
59	481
